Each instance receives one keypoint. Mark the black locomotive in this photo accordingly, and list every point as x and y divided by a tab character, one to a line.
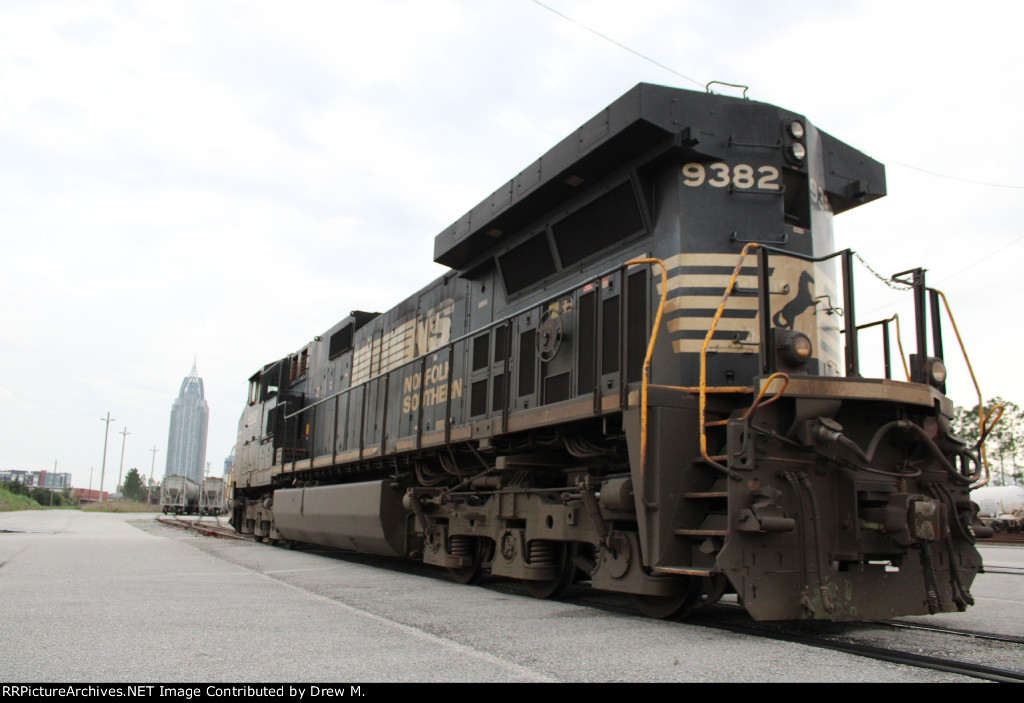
642	371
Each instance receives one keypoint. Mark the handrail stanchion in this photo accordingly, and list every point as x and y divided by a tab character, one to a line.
886	350
850	317
768	365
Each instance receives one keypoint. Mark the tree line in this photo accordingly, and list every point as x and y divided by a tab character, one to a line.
134	490
1004	444
43	496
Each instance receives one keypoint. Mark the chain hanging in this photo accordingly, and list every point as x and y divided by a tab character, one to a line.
887	281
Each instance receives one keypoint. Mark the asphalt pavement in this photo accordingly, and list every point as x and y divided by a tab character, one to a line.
97	597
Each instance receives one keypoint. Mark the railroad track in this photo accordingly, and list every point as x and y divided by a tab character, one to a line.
1003	538
972	634
926	649
208	529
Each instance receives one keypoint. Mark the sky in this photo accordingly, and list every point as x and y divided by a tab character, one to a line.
218	182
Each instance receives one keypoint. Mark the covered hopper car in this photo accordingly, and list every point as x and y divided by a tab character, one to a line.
643	372
179	495
212	500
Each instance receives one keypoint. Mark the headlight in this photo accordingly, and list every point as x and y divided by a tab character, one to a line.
798	151
796	129
794	348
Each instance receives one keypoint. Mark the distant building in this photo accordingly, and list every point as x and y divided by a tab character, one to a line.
89	495
43	479
49	479
190	420
229	462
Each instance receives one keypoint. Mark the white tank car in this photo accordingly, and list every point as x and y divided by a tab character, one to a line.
1002	507
994	501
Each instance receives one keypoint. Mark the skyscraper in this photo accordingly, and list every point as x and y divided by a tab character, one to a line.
190	419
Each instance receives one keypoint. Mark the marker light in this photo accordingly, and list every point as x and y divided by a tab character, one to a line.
936	371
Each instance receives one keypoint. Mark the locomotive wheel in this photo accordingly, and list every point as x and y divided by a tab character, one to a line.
556	588
665	607
710	592
475	571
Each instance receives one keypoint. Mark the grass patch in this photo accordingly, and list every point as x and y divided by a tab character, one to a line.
12	501
18	501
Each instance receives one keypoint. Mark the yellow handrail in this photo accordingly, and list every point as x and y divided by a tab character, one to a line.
982	416
649	354
764	388
899	343
704	354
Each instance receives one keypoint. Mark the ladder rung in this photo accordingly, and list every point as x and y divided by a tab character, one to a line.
716	423
700	533
683	570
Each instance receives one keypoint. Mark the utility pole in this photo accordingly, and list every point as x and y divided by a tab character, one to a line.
152	467
124	435
103	468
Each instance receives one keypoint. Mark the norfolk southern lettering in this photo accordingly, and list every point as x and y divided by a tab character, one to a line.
435	388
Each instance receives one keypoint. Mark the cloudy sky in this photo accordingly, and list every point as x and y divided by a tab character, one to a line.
222	180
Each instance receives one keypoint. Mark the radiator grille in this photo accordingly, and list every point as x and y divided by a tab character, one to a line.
527	362
586	343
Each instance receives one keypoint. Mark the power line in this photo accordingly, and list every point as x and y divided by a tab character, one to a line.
41	405
618	44
987	256
955	178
